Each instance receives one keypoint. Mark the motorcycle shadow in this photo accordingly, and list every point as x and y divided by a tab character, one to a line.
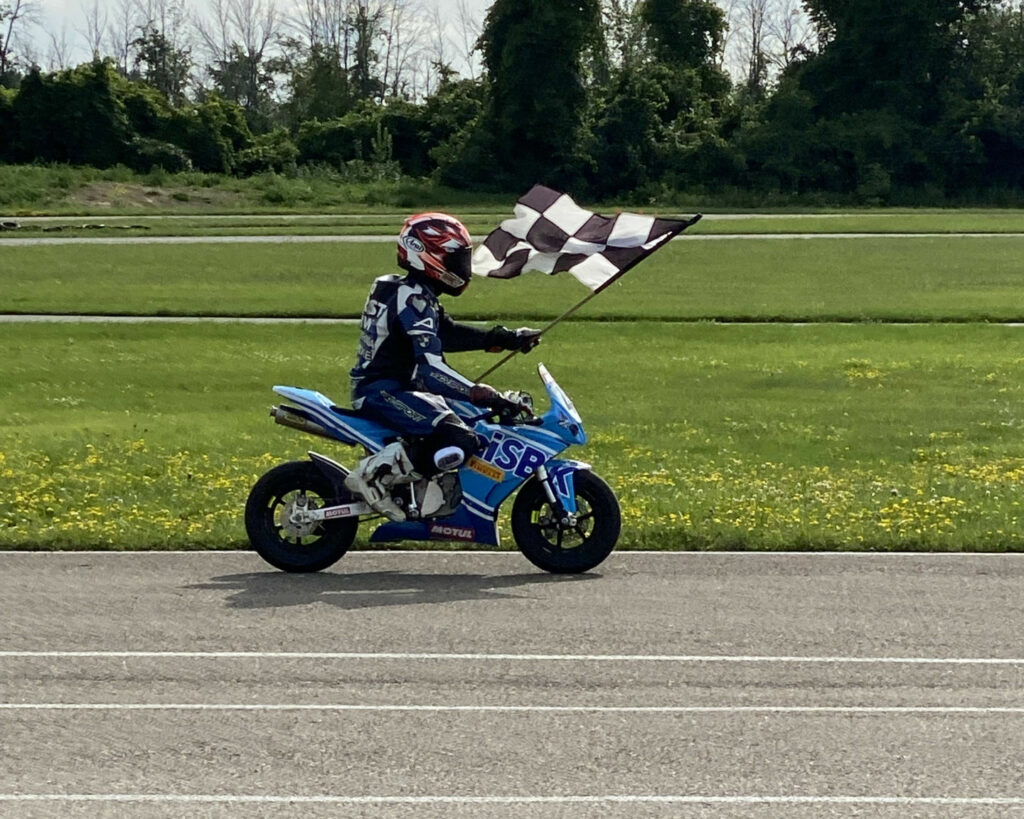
360	590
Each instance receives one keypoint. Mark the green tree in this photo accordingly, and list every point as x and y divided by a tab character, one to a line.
215	134
452	129
366	26
881	104
161	65
12	13
987	108
684	33
319	85
658	121
157	128
73	116
687	37
7	125
884	54
629	129
245	78
532	55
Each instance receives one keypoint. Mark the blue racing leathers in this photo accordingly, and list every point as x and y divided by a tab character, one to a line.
401	375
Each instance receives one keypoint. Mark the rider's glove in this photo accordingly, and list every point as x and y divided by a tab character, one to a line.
485	396
522	340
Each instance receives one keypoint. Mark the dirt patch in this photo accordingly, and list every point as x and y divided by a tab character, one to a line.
124	196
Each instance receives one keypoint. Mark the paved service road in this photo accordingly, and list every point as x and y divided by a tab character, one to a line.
470	685
371	238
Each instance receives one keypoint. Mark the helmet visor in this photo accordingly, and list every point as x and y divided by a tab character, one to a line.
460	262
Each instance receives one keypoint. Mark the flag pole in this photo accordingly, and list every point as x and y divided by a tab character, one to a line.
684	225
544	329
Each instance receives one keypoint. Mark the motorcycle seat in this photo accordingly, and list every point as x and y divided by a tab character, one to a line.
365	424
347	412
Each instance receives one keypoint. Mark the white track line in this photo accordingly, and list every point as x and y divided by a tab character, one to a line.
597	658
688	799
542	709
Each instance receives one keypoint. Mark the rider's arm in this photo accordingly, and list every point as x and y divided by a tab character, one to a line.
420	319
457	337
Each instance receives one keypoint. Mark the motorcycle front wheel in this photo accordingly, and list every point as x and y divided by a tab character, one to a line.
570	548
283	544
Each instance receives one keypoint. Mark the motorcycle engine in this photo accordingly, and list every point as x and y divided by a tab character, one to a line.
439	496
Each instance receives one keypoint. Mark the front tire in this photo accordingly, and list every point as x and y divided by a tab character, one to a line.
560	549
286	546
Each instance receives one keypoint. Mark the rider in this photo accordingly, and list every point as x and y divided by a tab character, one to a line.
401	377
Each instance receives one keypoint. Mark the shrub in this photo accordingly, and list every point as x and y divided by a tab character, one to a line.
274	151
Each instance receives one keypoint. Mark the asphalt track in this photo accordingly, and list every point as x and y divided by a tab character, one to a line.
468	684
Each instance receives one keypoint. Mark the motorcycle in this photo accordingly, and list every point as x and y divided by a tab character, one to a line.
565	519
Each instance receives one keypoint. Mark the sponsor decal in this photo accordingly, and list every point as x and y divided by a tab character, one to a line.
561	480
513	454
447	380
340	512
485	469
566	423
440	530
413	244
402	407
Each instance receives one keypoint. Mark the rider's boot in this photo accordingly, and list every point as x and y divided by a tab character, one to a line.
375	476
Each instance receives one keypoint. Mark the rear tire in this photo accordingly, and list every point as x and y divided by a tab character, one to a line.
307	549
567	550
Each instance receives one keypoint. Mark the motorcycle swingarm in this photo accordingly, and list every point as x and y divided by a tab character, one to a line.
336	473
344	510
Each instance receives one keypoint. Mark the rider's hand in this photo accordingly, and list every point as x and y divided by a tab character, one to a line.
522	340
486	396
526	339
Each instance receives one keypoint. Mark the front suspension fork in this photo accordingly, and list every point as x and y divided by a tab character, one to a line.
561	495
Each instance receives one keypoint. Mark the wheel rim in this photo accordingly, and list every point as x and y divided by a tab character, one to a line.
565	537
279	512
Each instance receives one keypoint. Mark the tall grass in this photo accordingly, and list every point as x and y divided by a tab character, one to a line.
749	437
28	189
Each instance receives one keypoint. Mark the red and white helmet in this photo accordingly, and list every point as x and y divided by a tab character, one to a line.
439	247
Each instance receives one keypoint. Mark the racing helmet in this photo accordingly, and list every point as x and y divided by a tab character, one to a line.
437	247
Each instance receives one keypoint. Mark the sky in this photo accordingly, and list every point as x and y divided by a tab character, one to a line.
64	20
61	23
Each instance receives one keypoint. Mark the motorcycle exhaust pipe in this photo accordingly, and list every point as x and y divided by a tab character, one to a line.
287	418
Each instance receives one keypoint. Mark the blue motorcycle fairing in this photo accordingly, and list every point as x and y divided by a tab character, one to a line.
561	474
347	428
463	525
510	456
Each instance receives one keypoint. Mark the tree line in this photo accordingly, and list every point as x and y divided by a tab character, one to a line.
873	101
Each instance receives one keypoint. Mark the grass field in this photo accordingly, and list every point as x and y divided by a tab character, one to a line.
849	437
871	279
809	423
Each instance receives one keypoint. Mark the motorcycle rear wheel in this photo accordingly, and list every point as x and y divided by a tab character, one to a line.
561	549
283	546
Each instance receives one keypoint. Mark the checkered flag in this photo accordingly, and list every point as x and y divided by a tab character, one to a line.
552	234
